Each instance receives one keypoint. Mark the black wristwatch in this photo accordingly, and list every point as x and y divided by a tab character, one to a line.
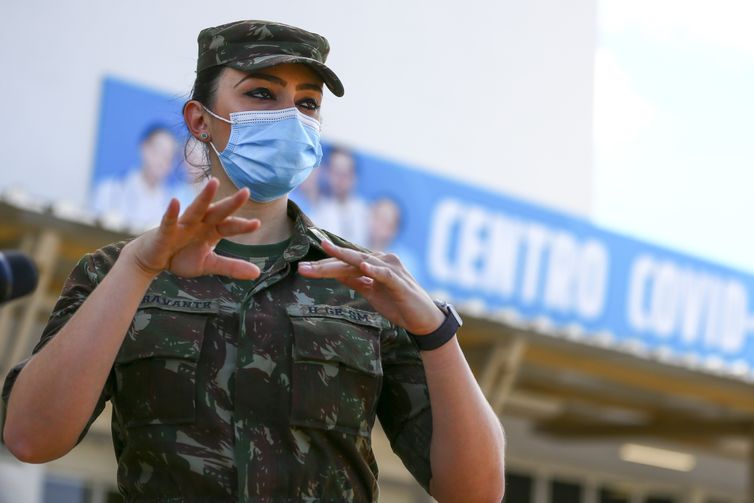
444	332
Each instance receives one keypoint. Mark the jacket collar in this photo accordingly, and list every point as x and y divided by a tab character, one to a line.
305	235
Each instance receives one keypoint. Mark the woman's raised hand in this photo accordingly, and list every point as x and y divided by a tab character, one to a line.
382	279
184	244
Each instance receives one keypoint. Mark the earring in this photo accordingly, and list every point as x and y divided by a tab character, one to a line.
203	136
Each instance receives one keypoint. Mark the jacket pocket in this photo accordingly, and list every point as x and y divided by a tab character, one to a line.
337	371
156	366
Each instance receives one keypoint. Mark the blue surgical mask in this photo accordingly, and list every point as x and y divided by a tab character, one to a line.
270	151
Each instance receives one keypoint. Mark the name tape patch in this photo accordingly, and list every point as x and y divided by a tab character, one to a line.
339	312
178	304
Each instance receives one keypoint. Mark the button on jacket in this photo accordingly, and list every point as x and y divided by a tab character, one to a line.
258	391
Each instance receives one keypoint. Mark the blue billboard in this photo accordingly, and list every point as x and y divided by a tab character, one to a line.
139	161
508	259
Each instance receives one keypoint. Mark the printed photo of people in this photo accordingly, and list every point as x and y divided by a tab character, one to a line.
333	197
146	162
141	195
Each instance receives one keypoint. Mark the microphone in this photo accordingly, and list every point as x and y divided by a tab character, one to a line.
18	275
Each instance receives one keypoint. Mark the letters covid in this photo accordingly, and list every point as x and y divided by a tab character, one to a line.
540	268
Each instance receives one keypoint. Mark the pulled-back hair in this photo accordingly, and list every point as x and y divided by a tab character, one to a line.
203	91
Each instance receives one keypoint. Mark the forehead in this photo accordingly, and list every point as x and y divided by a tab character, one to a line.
296	73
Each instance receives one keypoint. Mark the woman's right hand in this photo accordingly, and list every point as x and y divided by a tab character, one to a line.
184	245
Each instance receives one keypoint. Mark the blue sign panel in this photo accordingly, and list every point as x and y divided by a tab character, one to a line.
508	257
139	159
503	254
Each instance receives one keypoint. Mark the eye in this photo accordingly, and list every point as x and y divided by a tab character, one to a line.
309	104
261	93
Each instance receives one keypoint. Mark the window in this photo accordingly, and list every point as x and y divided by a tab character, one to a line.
612	495
518	488
565	492
64	490
113	497
659	499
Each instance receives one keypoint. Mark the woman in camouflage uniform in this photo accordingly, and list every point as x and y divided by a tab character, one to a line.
246	352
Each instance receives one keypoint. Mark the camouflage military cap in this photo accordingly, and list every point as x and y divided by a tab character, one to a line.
252	45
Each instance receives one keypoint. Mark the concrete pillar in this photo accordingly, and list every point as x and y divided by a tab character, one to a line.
591	491
750	495
541	489
694	495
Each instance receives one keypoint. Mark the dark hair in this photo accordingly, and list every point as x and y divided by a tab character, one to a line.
205	85
203	91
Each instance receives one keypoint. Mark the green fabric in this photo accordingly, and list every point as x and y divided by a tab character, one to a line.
273	250
225	393
262	256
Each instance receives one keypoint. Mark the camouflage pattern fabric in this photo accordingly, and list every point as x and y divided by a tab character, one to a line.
253	45
262	391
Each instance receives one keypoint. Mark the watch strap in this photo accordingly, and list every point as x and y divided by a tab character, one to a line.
444	332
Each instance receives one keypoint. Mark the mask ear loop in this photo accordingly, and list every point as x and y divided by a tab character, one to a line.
213	114
211	144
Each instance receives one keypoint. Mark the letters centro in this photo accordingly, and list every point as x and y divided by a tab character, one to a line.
478	253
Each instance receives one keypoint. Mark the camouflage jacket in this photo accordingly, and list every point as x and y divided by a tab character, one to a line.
258	391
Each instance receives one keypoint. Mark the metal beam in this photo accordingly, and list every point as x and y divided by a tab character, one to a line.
9	313
690	427
500	370
492	365
45	255
595	397
735	396
502	391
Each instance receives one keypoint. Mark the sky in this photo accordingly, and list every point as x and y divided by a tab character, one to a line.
674	125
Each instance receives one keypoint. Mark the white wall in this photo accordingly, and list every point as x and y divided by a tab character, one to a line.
19	482
493	93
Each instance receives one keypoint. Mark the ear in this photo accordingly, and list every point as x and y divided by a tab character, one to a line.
196	121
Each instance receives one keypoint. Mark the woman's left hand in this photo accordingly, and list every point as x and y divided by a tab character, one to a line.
383	281
464	427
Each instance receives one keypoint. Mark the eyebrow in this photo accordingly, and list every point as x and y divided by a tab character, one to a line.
313	87
279	81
